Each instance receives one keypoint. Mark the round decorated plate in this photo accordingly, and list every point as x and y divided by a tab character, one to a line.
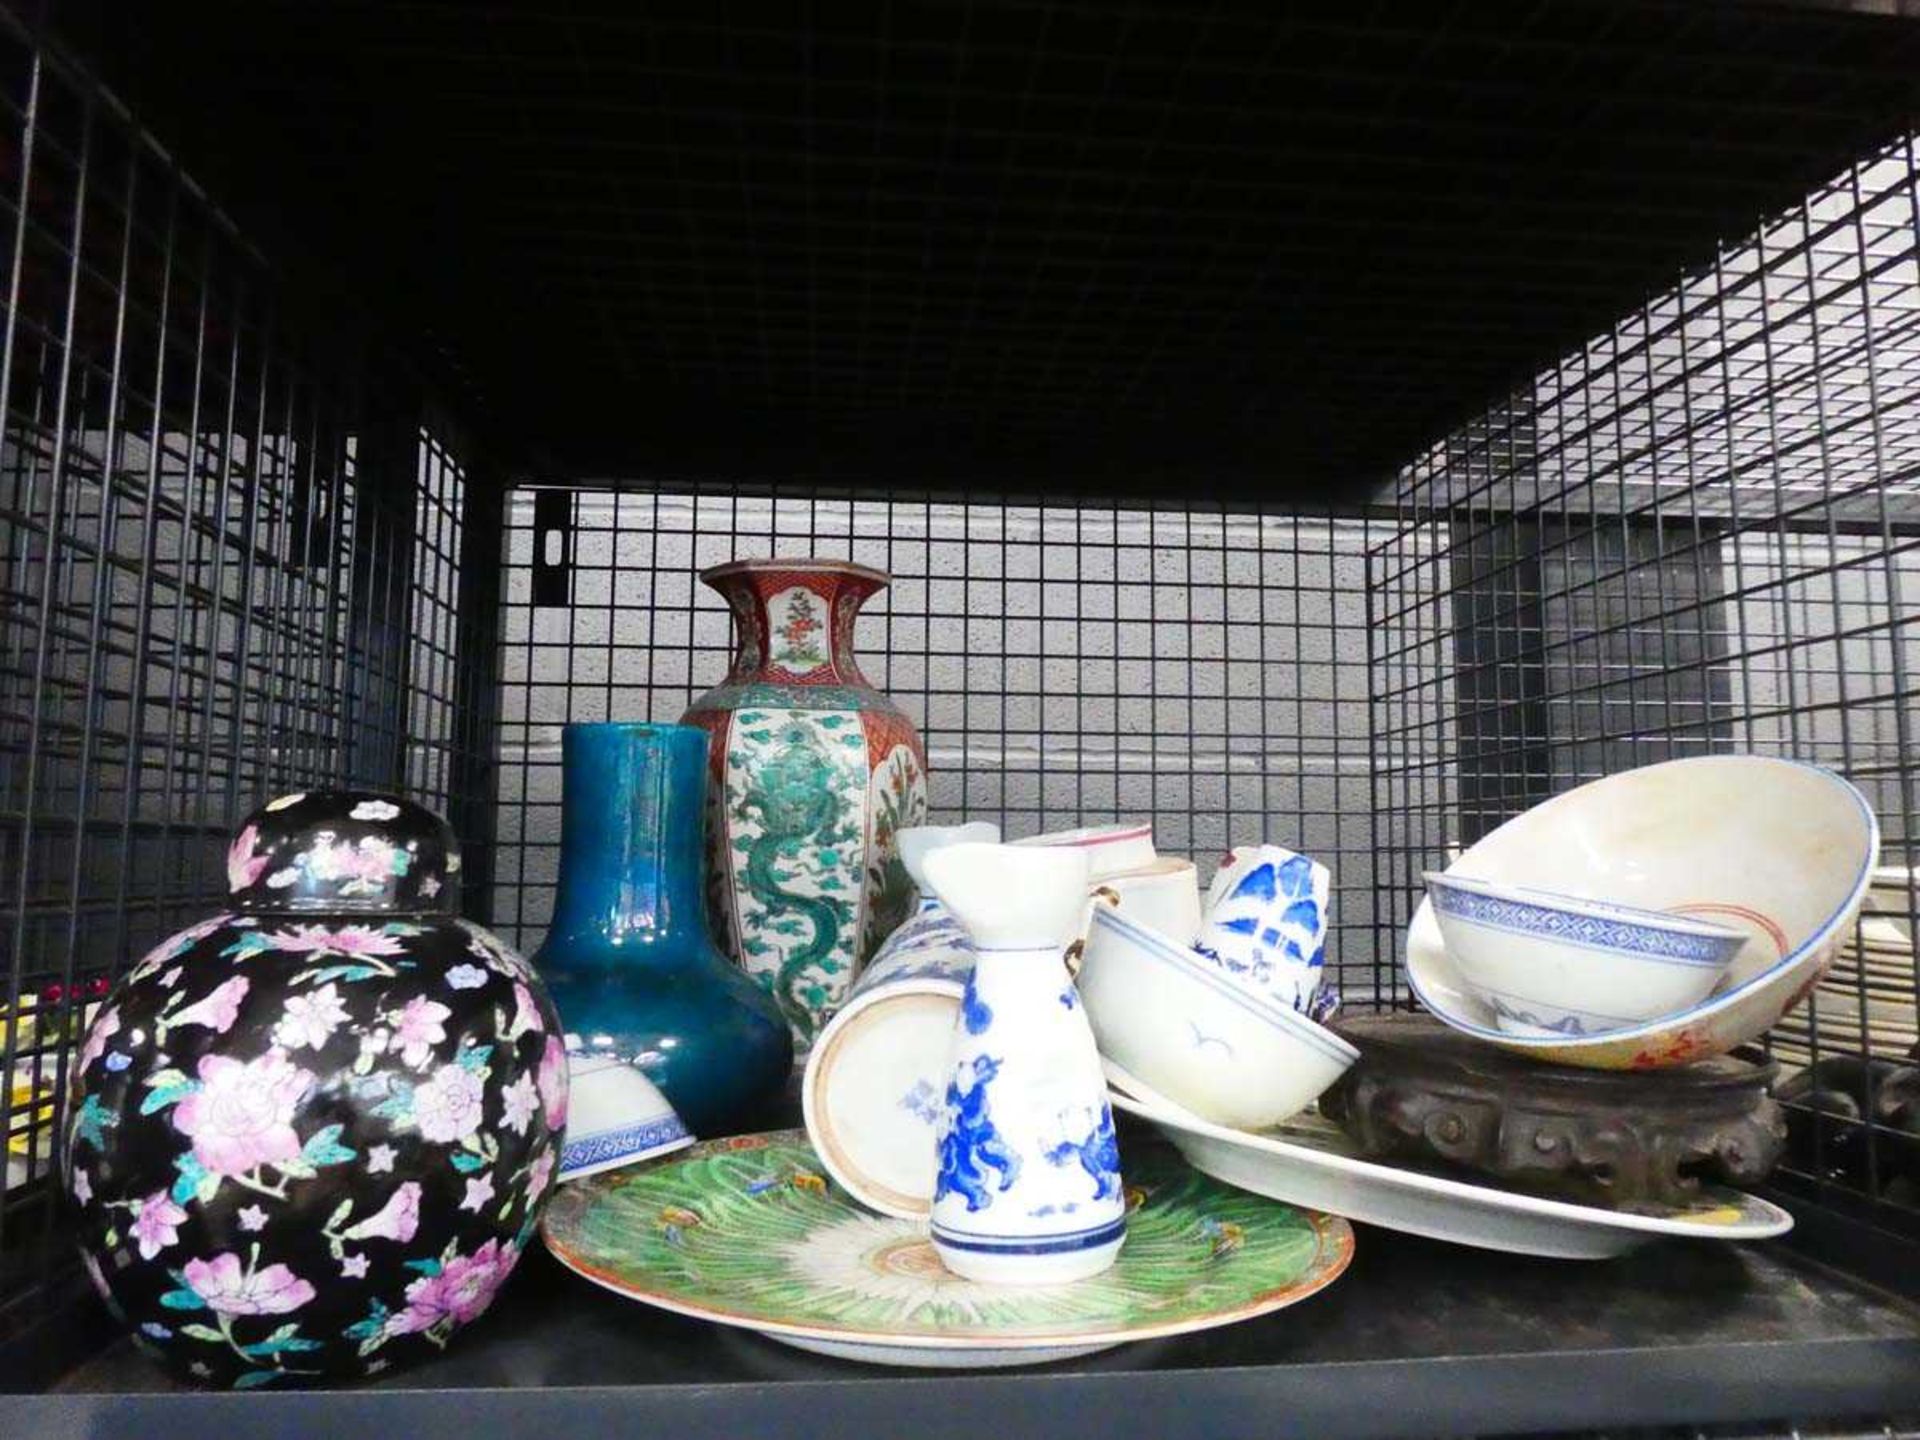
748	1232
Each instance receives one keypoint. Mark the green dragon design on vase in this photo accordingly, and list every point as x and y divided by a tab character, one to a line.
812	775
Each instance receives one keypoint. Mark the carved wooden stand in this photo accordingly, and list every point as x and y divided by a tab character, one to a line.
1609	1137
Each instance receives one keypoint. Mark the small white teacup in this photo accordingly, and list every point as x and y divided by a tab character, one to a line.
1164	895
1266	921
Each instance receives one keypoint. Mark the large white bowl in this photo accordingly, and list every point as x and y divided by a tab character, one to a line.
1779	849
1559	965
1233	1055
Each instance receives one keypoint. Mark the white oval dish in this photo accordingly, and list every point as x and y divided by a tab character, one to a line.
1777	848
1311	1163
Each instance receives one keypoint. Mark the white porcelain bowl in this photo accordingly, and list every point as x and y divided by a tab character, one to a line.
1164	895
615	1116
1110	849
1558	965
1778	849
1168	1015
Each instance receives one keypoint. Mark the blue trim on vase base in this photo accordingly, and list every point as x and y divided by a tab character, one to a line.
1073	1240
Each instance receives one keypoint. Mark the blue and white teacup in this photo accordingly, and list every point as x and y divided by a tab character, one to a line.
1266	922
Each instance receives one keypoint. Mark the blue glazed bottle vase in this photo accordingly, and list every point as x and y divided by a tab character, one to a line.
629	957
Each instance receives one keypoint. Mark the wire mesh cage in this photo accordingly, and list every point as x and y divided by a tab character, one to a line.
1699	534
238	556
224	572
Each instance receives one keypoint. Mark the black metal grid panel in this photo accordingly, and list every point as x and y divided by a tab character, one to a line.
1160	244
1699	533
209	560
433	733
1066	665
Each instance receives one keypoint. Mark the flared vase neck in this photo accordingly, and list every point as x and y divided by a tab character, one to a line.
793	620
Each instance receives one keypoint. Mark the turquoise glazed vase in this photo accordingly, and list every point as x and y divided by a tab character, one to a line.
629	957
812	775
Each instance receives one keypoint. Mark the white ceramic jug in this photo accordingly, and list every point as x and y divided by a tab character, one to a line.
1028	1189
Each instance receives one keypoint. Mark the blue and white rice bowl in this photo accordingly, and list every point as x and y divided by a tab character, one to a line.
1552	964
1779	849
1229	1052
615	1115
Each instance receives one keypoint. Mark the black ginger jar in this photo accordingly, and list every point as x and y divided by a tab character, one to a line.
313	1135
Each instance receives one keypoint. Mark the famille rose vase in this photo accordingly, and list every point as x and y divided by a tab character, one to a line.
313	1134
812	774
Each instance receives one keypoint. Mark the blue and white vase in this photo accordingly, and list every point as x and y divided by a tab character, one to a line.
1027	1190
874	1078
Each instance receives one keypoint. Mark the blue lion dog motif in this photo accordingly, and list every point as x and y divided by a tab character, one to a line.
1098	1154
970	1144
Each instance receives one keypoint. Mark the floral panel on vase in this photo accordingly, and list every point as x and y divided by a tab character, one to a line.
813	773
312	1135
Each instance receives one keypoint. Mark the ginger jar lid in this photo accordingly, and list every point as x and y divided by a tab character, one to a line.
352	851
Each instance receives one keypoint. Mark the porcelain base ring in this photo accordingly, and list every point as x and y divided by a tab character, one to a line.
934	1358
1061	1268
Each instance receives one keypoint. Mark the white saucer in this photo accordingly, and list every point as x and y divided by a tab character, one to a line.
1308	1161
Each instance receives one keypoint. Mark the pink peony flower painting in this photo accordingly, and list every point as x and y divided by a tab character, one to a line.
520	1102
349	940
241	1117
230	1288
461	1291
447	1107
363	868
417	1029
310	1020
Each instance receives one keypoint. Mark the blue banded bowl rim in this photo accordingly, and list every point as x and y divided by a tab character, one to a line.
624	1143
1538	899
1713	1004
1184	960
